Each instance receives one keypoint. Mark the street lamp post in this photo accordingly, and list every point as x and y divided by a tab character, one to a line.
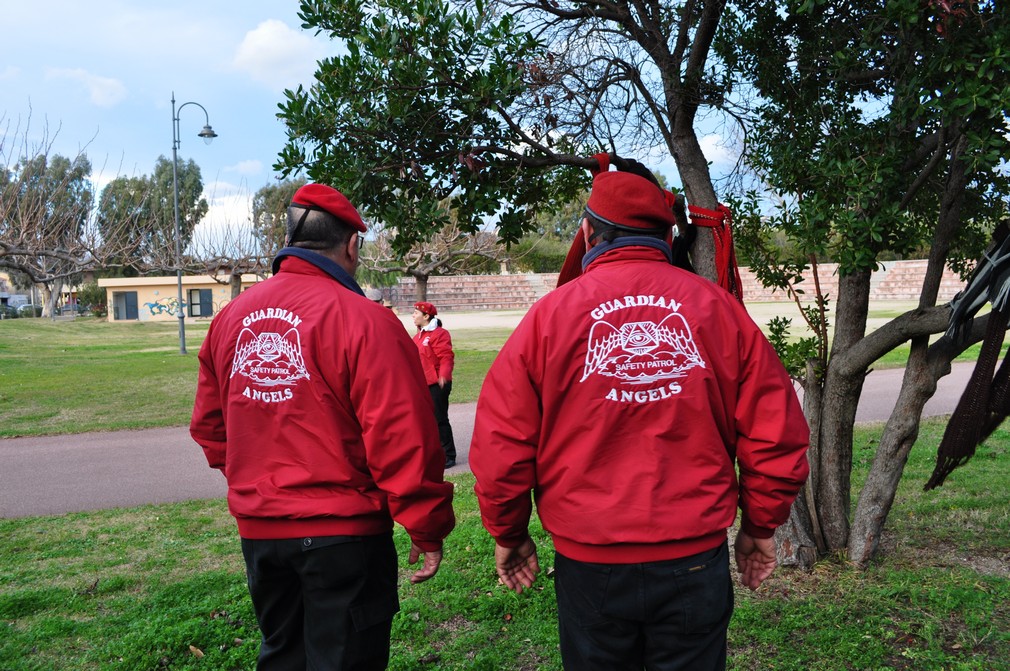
208	135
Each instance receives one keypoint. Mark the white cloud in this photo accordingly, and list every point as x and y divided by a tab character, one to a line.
278	56
103	91
717	150
9	72
228	223
230	204
250	167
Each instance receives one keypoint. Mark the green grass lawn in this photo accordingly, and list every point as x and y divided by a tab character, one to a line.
92	375
162	587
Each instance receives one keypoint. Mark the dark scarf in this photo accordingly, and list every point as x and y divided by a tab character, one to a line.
603	247
329	266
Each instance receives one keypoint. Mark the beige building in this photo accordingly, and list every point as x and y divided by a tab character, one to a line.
156	298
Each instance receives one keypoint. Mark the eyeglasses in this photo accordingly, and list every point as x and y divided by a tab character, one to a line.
361	241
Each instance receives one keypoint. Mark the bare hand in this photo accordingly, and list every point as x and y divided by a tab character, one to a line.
517	567
441	382
432	559
755	559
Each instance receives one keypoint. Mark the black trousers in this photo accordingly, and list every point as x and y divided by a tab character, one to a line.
659	616
324	603
440	397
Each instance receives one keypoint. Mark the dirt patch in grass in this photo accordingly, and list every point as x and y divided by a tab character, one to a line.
456	624
944	555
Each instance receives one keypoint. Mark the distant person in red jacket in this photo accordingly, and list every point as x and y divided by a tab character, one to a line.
312	403
435	347
625	401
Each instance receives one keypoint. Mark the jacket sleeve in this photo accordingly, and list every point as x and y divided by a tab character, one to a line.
207	425
505	440
403	453
444	356
772	438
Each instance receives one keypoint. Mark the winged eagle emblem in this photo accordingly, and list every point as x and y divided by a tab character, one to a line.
269	359
642	352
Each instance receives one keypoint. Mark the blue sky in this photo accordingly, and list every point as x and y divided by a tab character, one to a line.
98	77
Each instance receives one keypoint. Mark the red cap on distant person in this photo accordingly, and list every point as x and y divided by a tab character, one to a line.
329	200
629	201
426	308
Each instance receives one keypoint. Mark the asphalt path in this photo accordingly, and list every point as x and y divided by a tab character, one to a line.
52	475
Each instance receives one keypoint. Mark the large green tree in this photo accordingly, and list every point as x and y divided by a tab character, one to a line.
193	207
269	213
138	214
882	128
123	213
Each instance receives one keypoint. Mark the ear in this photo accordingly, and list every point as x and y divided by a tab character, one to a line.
352	247
587	232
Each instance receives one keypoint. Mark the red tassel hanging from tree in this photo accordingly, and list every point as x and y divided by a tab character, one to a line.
720	221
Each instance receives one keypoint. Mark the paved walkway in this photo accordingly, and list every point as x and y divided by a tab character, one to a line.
52	475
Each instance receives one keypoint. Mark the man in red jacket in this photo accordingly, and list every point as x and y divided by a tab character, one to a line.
626	400
434	345
312	403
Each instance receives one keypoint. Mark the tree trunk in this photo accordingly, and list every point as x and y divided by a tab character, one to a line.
842	388
50	296
799	542
420	286
235	281
692	166
925	366
877	496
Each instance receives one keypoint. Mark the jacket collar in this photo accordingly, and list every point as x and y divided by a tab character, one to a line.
604	247
328	266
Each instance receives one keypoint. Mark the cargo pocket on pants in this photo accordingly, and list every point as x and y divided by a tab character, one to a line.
373	611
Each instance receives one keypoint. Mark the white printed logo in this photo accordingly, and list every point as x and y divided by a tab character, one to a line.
269	360
641	352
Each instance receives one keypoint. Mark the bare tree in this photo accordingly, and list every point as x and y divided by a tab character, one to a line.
227	252
449	252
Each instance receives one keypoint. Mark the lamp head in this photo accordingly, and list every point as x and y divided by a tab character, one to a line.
207	134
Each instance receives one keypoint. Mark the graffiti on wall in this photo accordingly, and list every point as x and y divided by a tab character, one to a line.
166	306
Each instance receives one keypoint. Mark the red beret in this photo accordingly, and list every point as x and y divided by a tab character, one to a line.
329	200
628	201
426	308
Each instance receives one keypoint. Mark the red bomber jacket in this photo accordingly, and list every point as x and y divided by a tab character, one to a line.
435	348
312	402
627	400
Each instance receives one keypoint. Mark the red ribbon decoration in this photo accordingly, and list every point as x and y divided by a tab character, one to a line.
720	220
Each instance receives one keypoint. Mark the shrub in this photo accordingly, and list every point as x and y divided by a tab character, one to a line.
538	255
91	298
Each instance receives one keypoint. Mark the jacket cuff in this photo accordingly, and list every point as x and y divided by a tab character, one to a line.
512	540
427	546
755	531
215	452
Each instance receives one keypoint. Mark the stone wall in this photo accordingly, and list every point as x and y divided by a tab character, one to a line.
897	280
